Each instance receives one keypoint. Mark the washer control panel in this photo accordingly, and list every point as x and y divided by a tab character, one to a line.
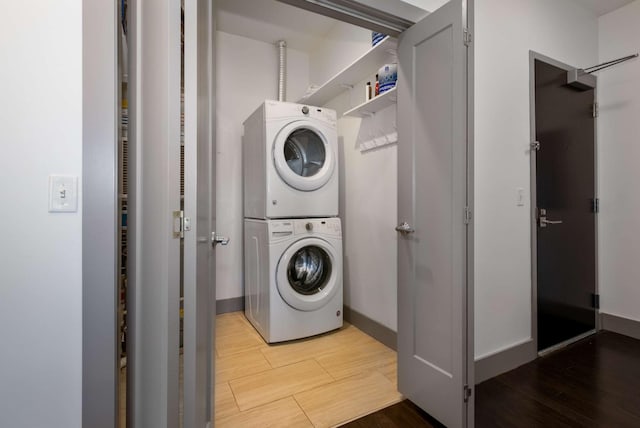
281	228
320	226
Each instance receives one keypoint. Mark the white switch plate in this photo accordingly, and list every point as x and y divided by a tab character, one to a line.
520	197
63	194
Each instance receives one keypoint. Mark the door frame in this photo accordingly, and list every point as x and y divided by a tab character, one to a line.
469	23
199	204
533	57
100	118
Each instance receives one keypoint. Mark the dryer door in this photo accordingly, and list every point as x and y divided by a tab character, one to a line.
307	275
303	156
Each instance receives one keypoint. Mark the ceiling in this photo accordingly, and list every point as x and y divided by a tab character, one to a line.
270	20
602	7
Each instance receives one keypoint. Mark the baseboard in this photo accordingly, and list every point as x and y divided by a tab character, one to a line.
381	333
620	325
504	361
234	304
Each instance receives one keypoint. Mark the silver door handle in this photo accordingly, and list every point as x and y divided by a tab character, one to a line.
542	219
544	222
217	239
404	228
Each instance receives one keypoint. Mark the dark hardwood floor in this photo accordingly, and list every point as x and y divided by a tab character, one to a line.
592	383
404	414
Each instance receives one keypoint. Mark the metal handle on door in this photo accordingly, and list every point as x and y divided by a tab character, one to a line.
216	239
543	219
544	222
404	228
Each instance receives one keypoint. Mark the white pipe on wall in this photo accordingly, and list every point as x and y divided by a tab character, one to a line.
282	70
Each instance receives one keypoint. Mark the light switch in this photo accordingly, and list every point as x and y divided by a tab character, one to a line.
63	194
520	197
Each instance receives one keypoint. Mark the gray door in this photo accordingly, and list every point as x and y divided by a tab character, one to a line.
199	207
154	398
565	195
433	292
154	194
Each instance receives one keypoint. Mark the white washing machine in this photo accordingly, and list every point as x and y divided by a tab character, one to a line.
293	277
290	161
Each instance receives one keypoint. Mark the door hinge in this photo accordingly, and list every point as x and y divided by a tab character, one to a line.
181	224
596	110
595	301
466	37
467	391
467	215
595	205
535	145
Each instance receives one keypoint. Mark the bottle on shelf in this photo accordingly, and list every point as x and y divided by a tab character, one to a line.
367	91
377	86
388	76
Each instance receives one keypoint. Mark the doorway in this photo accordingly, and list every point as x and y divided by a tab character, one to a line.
565	206
437	232
157	320
322	380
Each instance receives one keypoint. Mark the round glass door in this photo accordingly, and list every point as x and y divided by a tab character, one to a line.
304	152
306	276
303	156
309	270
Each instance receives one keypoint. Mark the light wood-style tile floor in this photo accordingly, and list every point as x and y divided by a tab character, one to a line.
322	381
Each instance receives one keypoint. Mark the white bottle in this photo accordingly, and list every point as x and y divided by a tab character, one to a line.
367	88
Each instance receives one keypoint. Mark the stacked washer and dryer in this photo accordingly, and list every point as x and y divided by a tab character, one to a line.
292	233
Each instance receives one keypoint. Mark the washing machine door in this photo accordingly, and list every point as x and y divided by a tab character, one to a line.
307	274
303	156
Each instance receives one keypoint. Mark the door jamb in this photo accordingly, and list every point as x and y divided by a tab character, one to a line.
469	24
533	56
100	359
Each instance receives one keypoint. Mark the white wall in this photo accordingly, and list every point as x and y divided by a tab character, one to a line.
41	253
618	155
505	32
368	209
246	76
368	188
342	45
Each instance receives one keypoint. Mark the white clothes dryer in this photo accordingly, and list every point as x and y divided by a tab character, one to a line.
290	162
293	277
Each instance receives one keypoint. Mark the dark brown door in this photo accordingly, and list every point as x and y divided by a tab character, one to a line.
565	190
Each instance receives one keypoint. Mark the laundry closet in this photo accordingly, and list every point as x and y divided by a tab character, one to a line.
266	50
318	48
317	236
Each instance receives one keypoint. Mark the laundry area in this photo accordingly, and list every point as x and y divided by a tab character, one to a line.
360	187
306	171
355	258
470	249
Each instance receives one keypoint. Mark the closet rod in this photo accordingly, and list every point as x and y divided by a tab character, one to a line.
584	80
609	64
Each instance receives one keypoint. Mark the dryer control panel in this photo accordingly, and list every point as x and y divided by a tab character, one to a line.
278	110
